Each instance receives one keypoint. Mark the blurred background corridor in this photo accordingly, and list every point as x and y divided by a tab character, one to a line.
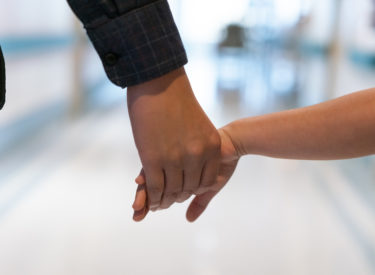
68	160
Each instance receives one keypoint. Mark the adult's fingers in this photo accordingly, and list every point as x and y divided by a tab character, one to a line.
173	186
192	175
209	174
198	205
183	197
155	187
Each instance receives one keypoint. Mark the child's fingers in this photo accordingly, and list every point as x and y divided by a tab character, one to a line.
141	179
141	214
140	205
198	205
140	200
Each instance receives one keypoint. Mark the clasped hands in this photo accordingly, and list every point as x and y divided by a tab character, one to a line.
181	151
203	195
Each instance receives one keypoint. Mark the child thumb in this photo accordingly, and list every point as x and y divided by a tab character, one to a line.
199	205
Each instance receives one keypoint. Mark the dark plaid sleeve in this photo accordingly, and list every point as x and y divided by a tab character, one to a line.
137	40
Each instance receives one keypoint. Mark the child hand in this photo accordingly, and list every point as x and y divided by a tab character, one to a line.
140	204
228	163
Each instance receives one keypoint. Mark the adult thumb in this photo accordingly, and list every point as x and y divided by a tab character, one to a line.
198	205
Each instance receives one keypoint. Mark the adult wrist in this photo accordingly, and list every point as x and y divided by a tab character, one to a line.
158	84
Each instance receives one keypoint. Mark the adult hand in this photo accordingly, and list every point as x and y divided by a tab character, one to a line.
228	163
178	145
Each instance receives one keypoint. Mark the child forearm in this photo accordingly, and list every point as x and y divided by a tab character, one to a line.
337	129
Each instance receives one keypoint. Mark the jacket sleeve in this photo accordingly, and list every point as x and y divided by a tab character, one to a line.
137	40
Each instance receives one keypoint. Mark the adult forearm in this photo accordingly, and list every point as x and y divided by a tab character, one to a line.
178	145
336	129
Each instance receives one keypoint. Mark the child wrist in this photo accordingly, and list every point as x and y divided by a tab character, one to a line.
230	132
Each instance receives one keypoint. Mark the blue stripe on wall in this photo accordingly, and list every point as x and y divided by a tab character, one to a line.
30	43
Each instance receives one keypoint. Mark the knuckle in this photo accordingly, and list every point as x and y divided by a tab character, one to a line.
150	160
155	188
184	197
172	195
195	149
172	187
174	157
200	191
207	183
205	189
188	192
166	203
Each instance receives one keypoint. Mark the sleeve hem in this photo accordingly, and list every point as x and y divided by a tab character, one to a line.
140	45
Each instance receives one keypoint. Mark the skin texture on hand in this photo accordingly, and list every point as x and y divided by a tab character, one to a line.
178	145
341	128
228	163
337	129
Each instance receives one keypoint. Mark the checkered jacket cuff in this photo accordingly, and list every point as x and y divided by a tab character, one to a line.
140	45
